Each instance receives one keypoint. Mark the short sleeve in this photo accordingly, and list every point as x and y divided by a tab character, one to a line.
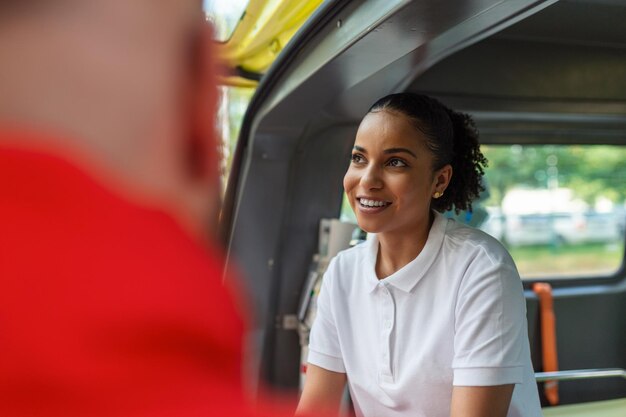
490	326
324	348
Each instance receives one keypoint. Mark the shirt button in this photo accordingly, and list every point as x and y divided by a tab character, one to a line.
388	324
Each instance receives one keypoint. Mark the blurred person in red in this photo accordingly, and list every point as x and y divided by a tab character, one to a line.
111	301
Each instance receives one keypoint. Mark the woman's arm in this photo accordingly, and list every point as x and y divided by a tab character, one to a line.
323	391
481	401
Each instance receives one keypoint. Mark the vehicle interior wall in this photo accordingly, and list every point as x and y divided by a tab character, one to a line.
314	193
513	82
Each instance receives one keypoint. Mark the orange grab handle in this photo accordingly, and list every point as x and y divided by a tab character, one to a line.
547	320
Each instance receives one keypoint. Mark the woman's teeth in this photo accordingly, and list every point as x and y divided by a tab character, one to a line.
372	203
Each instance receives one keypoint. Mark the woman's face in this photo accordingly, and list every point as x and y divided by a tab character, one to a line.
391	181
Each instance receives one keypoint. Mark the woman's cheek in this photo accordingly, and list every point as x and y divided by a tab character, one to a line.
349	182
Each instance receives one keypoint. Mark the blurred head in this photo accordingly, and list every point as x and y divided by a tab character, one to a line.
412	154
127	85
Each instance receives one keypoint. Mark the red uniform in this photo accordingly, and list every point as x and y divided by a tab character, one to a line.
107	308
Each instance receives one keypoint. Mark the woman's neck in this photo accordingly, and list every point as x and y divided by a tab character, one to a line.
395	250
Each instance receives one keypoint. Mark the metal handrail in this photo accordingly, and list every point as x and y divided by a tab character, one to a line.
580	374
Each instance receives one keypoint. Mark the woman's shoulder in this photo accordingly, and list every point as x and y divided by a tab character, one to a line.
472	242
482	262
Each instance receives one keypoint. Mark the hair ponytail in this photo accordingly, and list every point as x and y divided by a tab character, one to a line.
467	163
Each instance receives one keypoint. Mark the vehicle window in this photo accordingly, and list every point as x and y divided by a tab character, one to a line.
560	210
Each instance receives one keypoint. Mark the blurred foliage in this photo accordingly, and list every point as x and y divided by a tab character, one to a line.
591	171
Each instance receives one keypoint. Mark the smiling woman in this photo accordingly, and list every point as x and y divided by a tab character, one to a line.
466	355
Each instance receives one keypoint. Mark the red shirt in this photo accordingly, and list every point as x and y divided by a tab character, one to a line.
107	308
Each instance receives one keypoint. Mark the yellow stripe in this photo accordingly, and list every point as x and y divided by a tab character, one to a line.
262	33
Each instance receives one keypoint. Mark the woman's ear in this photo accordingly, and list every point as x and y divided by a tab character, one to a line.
442	178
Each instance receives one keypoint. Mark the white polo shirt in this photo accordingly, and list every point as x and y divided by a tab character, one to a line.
455	315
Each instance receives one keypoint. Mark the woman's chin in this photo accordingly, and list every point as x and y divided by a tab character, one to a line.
369	227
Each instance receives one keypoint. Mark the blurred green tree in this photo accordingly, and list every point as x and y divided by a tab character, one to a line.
591	171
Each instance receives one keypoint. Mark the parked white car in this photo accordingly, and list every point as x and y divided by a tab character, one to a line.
559	228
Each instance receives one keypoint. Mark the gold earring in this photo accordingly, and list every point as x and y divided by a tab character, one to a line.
438	194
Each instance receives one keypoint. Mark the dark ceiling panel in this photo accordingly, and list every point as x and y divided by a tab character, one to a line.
566	63
600	23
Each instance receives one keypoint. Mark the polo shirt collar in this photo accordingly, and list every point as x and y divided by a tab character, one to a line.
407	277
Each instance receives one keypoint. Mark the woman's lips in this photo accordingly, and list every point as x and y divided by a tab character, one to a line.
371	206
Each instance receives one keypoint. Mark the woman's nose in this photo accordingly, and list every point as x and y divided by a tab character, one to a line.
372	178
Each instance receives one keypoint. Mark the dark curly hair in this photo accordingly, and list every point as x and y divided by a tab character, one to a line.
452	138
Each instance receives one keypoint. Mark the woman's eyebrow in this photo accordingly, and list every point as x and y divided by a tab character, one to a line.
400	150
360	149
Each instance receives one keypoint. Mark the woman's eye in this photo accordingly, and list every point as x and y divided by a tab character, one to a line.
356	158
396	163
